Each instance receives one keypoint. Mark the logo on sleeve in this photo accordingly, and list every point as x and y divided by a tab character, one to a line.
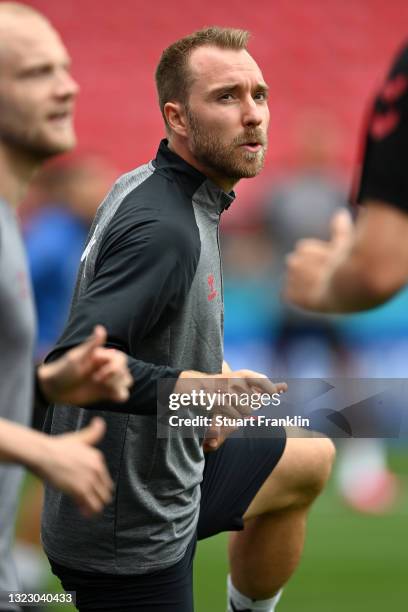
394	88
384	124
212	291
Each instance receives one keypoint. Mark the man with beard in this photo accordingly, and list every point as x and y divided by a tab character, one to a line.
151	274
36	102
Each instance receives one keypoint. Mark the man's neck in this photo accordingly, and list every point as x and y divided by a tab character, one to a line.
181	149
16	172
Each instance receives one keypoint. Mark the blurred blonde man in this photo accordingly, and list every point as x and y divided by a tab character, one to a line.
37	96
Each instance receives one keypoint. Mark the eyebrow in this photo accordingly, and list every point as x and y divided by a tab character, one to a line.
39	63
262	87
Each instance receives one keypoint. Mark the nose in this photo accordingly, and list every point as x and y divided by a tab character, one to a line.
66	86
253	114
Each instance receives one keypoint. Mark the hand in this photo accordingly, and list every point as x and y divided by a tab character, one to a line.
216	435
72	465
87	373
240	382
311	265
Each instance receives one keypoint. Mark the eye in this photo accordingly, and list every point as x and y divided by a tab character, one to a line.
261	95
37	71
226	97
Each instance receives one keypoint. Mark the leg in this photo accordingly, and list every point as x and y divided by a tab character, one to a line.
168	590
264	555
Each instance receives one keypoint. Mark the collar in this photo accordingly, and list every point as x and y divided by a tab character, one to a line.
193	180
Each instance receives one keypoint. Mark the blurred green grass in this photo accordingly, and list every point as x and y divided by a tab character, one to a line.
350	562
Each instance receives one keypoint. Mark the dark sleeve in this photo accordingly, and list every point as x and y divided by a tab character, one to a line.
139	283
384	169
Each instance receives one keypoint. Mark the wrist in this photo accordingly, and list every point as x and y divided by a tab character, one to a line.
42	385
189	379
38	454
48	381
326	301
226	368
321	301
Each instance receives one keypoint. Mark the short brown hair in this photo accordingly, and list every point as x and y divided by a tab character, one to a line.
173	79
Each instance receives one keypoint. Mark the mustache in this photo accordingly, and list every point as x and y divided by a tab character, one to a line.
258	136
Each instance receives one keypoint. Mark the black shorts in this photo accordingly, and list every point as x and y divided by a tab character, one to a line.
232	477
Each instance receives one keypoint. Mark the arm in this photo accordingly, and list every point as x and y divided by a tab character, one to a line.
86	374
138	282
376	265
363	268
247	380
141	279
68	462
359	268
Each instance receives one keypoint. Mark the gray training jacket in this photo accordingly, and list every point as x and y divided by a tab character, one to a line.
150	273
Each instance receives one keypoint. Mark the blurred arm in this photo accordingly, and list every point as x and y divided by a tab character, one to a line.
87	373
68	462
376	265
363	266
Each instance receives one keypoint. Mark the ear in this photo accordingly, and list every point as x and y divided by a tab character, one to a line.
176	117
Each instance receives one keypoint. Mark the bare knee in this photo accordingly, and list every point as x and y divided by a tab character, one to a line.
299	477
312	467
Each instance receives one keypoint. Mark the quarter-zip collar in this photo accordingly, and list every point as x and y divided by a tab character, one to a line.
205	192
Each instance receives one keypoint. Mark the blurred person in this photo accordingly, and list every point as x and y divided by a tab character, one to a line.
301	205
151	273
363	266
68	194
36	100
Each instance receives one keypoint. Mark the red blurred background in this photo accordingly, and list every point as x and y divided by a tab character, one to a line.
315	54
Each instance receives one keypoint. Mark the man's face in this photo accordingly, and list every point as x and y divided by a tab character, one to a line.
227	113
37	92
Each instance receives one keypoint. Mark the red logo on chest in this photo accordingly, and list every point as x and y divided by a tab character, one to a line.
213	292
